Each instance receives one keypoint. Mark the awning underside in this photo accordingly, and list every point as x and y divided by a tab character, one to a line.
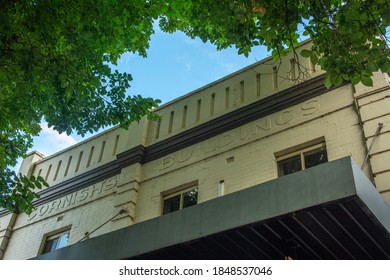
340	230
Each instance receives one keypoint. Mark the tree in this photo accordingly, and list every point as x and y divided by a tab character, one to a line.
55	58
349	37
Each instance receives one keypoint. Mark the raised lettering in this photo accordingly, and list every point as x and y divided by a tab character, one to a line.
226	140
55	205
96	189
43	209
184	155
244	132
83	195
32	215
67	200
209	146
263	124
110	184
284	117
74	197
168	161
310	107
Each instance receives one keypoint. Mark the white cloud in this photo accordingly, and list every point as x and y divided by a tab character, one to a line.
50	141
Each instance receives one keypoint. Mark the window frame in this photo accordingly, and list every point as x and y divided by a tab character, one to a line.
53	236
301	151
179	191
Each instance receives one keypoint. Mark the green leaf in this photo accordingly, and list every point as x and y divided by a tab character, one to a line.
367	81
314	58
337	79
275	54
327	81
385	67
306	53
355	80
372	66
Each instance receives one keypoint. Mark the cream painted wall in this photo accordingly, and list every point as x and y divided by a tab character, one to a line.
81	211
374	108
253	147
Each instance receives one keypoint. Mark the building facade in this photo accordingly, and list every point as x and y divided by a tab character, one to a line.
265	163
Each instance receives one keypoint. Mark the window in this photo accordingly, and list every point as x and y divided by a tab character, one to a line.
56	241
181	197
308	155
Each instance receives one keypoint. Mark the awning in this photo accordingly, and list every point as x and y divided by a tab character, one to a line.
331	211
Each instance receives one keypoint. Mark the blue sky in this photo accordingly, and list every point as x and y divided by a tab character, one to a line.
175	66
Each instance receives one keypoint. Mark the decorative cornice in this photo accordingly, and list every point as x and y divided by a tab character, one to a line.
79	182
132	156
236	118
75	183
140	154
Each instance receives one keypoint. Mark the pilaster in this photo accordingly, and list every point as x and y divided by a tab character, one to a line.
126	195
6	227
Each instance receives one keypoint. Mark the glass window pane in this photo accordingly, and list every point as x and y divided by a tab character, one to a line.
315	157
290	165
63	240
50	246
171	204
190	198
55	242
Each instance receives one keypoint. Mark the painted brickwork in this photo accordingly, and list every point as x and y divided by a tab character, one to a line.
252	148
